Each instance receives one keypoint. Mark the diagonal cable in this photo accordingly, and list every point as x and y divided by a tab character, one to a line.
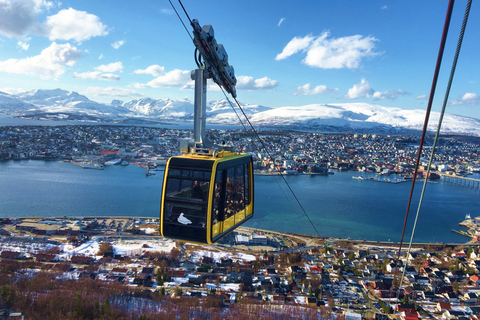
437	134
425	125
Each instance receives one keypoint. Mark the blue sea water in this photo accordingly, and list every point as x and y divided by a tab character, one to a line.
337	205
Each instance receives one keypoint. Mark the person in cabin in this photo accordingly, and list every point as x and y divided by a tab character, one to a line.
197	192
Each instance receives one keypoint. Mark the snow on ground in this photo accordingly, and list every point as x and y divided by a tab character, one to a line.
148	230
230	286
122	247
132	247
218	255
89	248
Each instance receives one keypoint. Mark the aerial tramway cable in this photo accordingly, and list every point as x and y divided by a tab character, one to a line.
256	133
452	72
442	113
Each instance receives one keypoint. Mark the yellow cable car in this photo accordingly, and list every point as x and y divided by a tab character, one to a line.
206	196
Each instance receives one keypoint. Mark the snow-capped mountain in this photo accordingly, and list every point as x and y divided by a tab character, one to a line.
67	104
51	97
13	105
363	117
163	108
339	117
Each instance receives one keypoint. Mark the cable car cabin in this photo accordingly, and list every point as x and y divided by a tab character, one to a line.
205	197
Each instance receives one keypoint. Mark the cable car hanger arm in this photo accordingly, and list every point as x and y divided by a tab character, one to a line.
215	57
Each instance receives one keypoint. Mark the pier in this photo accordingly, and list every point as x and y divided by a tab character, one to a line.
386	180
462	181
84	165
473	227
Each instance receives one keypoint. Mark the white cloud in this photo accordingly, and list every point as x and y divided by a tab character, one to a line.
19	17
23	44
155	70
73	24
363	90
96	75
118	44
360	90
112	67
295	45
168	11
331	53
100	57
12	90
307	90
51	62
422	97
111	91
249	83
174	78
468	99
388	94
280	22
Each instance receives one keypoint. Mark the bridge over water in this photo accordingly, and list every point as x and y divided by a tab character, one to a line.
462	181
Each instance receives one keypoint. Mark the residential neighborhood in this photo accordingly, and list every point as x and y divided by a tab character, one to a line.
286	152
317	277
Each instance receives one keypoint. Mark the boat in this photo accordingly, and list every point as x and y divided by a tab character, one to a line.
92	165
124	163
149	173
113	162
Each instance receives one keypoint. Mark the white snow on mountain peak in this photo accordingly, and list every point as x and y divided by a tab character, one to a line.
336	117
51	97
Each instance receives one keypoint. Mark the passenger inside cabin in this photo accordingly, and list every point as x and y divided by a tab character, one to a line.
197	192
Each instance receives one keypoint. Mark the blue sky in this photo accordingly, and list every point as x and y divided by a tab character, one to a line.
285	53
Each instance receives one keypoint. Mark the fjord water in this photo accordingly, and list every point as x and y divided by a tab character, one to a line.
338	205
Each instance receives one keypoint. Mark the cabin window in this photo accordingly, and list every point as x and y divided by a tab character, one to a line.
236	190
217	208
186	200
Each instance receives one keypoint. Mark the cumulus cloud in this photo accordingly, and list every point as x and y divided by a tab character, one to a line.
71	24
249	83
422	97
96	75
363	90
295	45
468	99
118	44
112	67
331	53
19	17
280	22
155	70
360	90
307	90
23	44
388	94
174	78
111	92
51	63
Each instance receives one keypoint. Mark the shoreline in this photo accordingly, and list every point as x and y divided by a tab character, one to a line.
307	240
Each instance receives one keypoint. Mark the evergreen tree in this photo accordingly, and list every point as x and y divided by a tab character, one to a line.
105	309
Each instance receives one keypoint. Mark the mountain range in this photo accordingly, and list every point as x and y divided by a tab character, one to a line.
60	104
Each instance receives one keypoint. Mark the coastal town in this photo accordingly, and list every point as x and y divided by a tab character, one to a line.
121	268
287	152
250	273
